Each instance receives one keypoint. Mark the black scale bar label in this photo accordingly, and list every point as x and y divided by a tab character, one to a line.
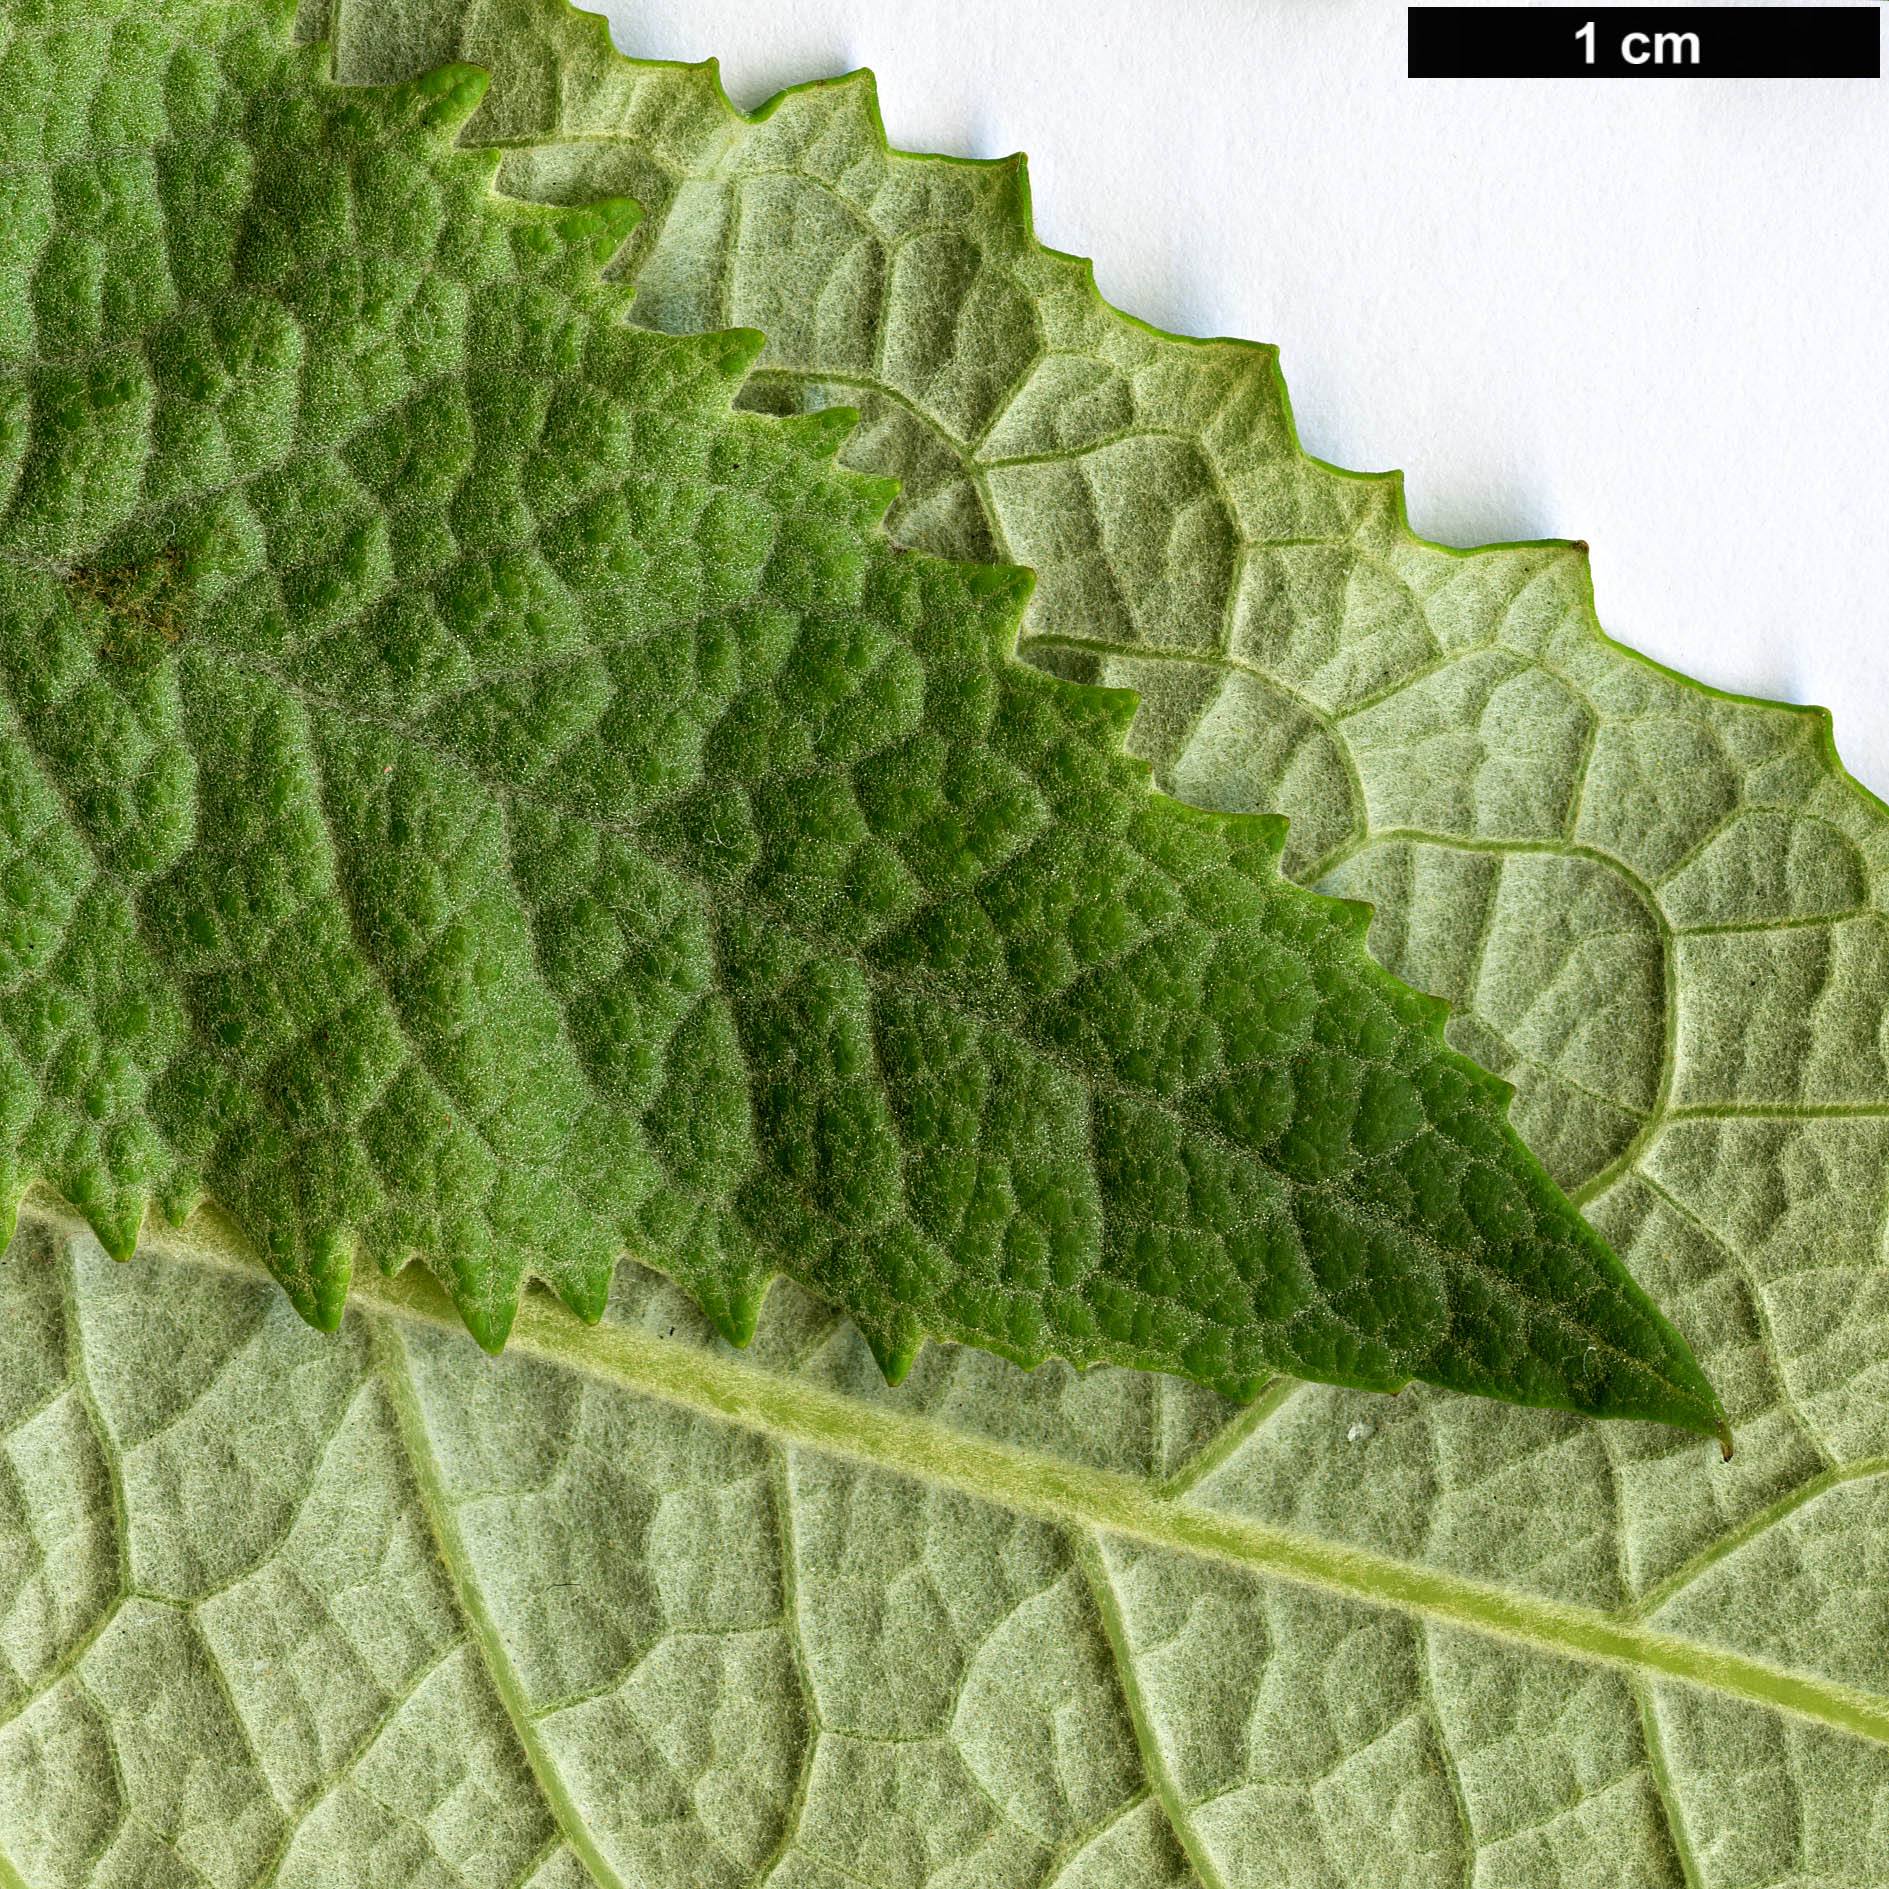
1645	43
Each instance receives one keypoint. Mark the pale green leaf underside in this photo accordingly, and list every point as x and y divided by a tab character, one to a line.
228	1641
625	1606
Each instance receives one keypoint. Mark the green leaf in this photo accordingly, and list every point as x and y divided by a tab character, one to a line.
469	795
624	1606
1656	909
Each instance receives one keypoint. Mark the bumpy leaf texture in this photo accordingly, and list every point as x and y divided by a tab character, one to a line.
1657	909
468	794
283	1610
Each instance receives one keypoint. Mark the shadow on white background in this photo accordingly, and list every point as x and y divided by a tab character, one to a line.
1651	315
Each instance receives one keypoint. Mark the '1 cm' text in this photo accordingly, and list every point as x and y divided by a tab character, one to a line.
1639	49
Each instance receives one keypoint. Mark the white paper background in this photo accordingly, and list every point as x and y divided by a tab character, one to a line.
1654	316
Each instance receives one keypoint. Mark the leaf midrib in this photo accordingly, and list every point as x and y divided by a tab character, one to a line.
1087	1501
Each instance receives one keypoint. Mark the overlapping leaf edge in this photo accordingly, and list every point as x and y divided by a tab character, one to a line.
582	25
457	89
1391	480
315	13
1012	585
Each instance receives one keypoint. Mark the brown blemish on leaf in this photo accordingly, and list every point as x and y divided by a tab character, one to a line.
136	611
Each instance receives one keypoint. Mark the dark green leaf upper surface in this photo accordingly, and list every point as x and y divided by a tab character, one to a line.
467	794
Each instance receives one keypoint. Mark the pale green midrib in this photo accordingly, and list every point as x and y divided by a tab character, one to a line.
1070	1495
390	1356
10	1878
